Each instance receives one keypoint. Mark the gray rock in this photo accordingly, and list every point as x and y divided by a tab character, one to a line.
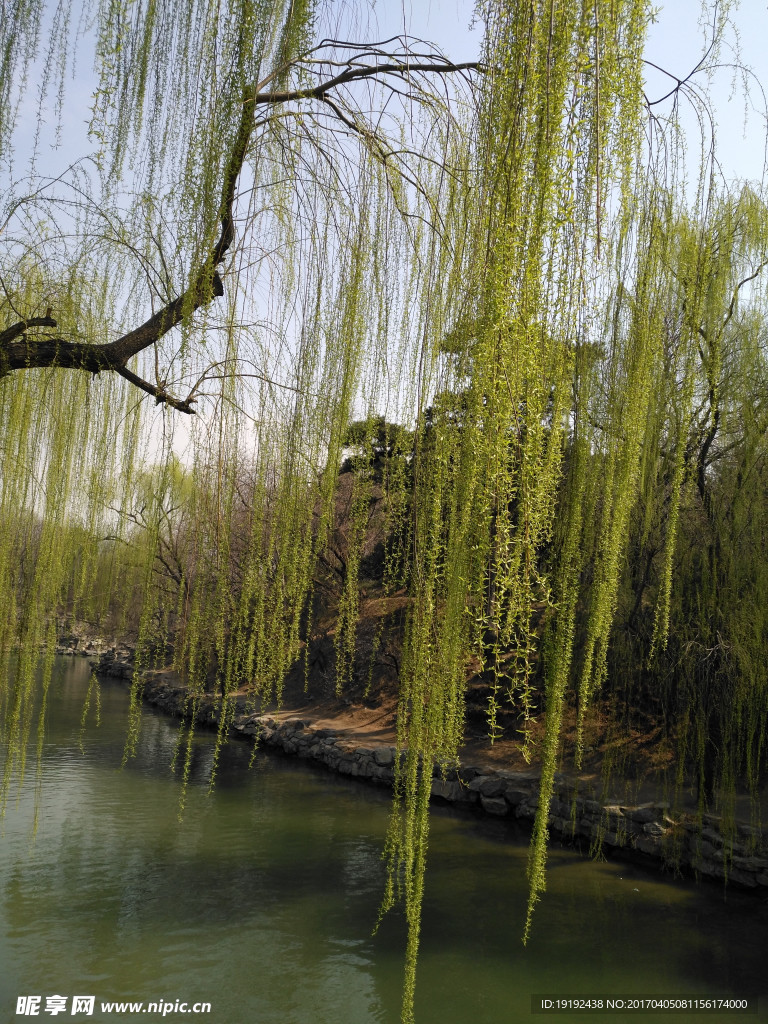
706	867
753	864
248	728
643	814
477	781
446	789
492	787
612	839
746	878
558	808
653	828
704	850
749	831
712	836
563	826
494	805
646	845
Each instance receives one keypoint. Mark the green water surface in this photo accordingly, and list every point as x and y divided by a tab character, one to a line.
262	900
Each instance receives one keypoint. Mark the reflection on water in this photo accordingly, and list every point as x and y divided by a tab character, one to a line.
263	899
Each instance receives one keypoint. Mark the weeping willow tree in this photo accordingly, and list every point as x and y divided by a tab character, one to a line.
277	234
699	522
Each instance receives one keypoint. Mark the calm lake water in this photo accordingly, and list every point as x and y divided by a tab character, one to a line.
263	899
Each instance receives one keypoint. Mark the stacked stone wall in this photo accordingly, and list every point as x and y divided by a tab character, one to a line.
649	829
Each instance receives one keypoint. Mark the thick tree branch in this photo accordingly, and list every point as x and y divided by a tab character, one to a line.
16	330
402	69
159	393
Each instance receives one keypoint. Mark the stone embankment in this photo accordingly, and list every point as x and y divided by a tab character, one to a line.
576	814
79	643
649	829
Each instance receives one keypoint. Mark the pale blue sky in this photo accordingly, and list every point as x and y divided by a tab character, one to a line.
676	43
